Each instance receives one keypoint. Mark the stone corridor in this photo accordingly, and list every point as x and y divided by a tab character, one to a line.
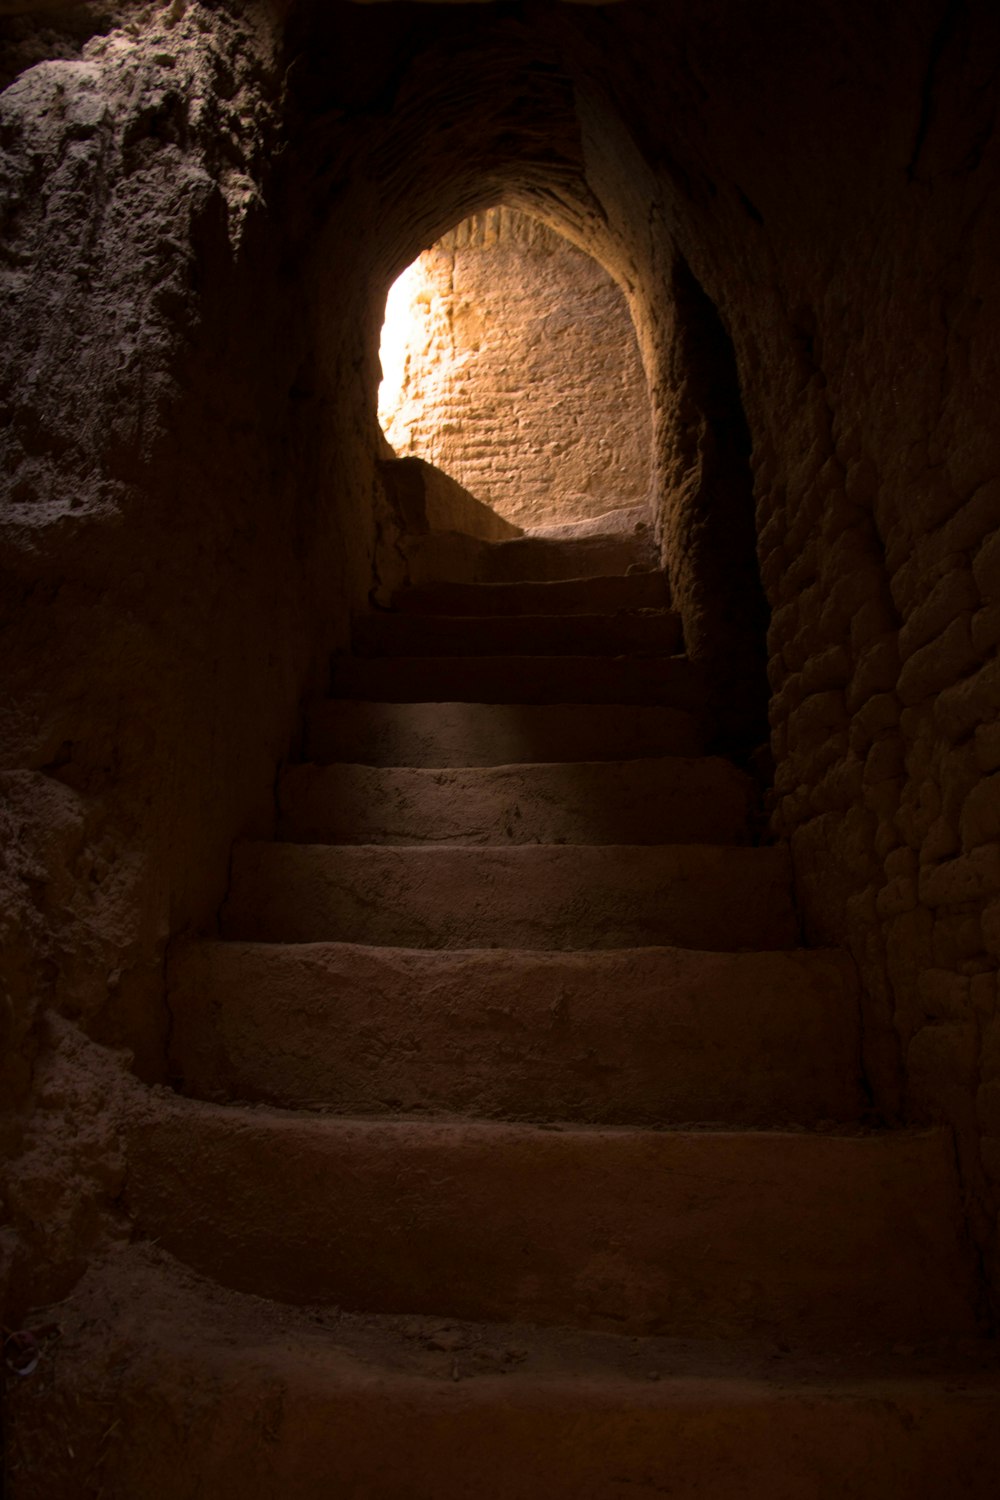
510	1067
492	1008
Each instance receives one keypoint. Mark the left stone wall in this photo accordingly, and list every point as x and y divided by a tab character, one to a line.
176	565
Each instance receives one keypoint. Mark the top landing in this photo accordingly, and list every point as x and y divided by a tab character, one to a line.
615	545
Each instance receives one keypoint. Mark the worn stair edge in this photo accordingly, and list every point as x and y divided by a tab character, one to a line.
674	800
477	734
690	1233
622	520
640	632
647	1036
164	1386
573	596
452	557
518	896
671	681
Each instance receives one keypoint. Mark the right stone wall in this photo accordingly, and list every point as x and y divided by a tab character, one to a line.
829	179
854	273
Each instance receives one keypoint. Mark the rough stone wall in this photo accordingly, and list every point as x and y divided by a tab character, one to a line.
520	375
173	568
864	311
193	334
708	531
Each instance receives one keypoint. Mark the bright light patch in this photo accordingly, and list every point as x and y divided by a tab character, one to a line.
402	332
509	362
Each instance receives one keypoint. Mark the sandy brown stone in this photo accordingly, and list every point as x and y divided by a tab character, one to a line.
525	895
515	367
274	1400
203	207
678	801
424	500
571	596
653	632
696	1234
486	734
647	1036
534	559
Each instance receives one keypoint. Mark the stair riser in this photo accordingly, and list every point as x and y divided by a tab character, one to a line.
482	734
651	632
635	802
450	557
670	681
217	1423
532	559
691	1234
591	596
528	896
643	1037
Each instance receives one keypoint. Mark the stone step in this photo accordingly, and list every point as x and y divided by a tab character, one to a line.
700	1234
491	734
670	681
450	556
646	1036
534	896
574	596
673	800
231	1395
648	632
622	520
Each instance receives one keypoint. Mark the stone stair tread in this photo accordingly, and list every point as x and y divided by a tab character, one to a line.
453	557
518	895
649	801
572	596
621	520
470	1069
470	734
642	1036
638	632
670	681
275	1400
707	1233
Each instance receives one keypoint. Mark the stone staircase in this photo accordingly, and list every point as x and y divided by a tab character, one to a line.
518	1150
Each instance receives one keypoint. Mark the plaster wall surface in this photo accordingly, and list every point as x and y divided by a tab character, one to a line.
515	369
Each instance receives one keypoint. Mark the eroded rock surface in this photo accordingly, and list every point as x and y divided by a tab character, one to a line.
203	208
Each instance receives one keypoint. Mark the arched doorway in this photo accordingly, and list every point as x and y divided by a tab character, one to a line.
510	361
